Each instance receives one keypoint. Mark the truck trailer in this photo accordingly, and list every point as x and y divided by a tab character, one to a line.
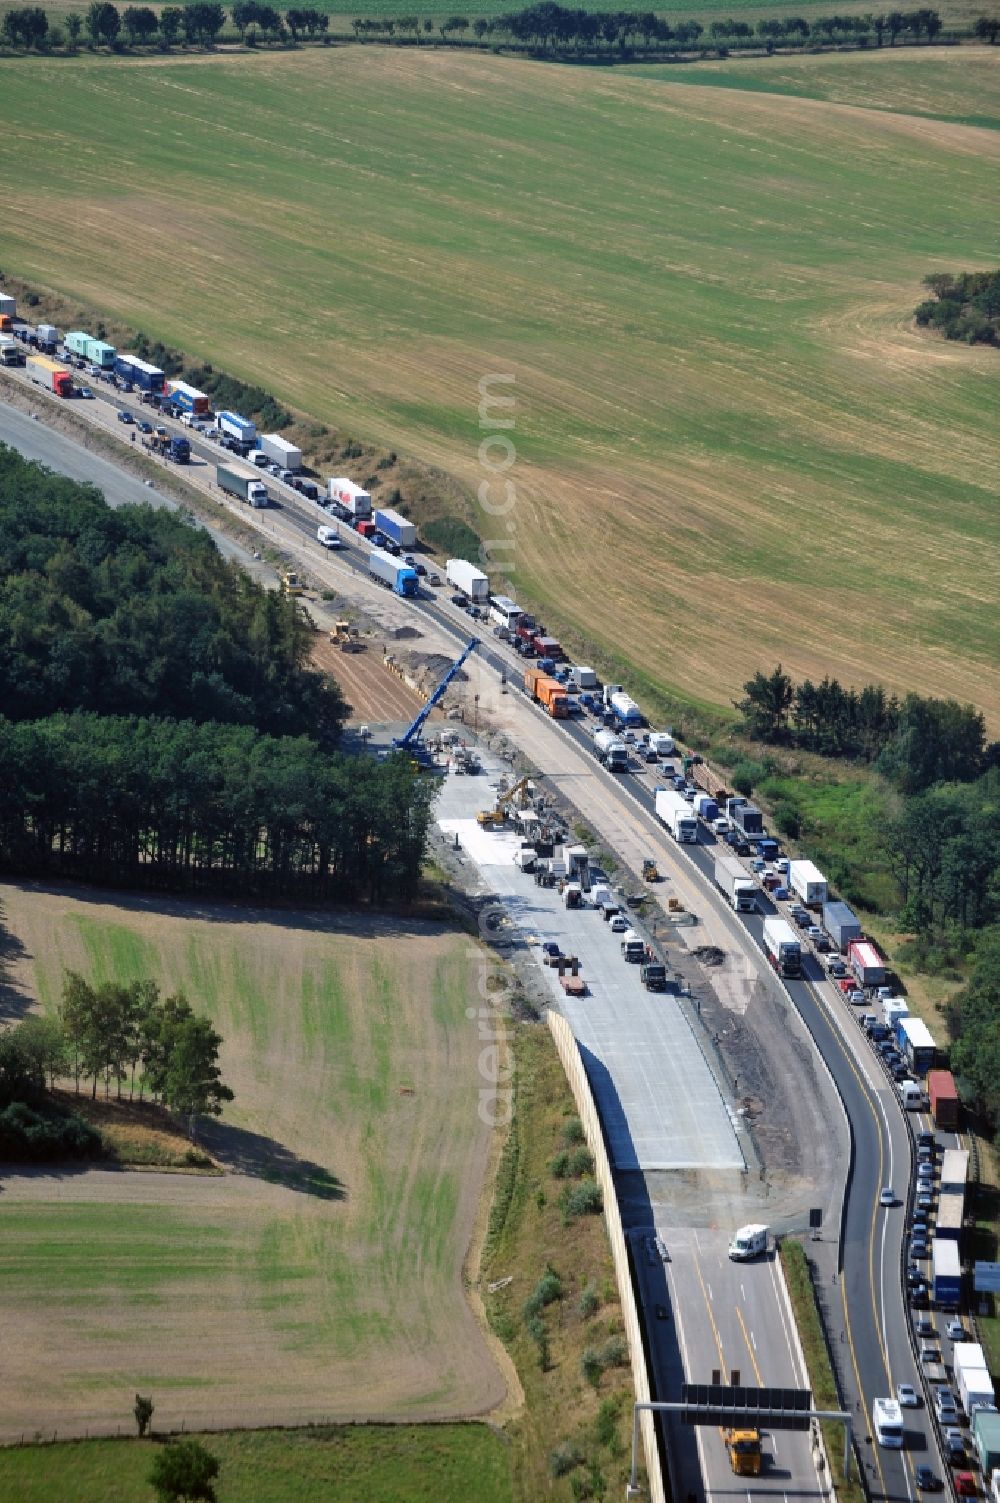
399	577
547	692
188	398
395	526
730	878
350	496
866	963
943	1096
841	924
612	752
946	1274
808	883
678	816
8	305
986	1439
626	711
49	374
583	676
746	817
705	807
244	487
234	426
917	1044
709	781
140	373
468	580
782	947
280	451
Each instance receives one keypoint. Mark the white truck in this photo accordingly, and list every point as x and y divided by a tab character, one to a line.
662	743
235	426
782	947
730	878
678	816
583	677
279	451
328	537
887	1423
468	580
351	497
10	351
748	1242
808	883
975	1388
612	752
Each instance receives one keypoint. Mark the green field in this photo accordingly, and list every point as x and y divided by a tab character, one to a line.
704	293
381	1464
321	1277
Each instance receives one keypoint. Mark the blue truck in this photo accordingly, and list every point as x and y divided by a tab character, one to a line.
395	526
140	373
397	576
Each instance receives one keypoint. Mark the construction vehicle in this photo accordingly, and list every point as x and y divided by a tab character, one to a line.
496	818
291	584
346	637
650	873
411	740
653	975
743	1450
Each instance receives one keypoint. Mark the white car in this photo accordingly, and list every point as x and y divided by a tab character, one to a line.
956	1330
906	1396
887	1197
619	924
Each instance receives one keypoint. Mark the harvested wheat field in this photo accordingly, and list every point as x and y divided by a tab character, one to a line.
731	444
321	1276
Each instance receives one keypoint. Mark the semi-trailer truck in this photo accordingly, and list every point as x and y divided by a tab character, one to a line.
172	446
11	352
808	883
677	814
943	1097
188	398
48	373
841	923
243	487
626	710
548	692
395	526
746	817
740	890
351	497
866	962
782	947
8	305
468	580
612	752
235	426
399	577
946	1274
279	451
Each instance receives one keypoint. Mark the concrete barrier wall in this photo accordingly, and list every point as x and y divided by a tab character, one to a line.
569	1054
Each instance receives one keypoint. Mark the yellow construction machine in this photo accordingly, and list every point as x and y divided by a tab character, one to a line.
496	818
650	872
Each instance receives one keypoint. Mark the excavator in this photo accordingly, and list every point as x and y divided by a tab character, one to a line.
496	818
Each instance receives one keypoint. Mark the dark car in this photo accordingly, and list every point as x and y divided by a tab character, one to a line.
85	392
551	948
143	426
420	570
457	599
124	416
926	1478
920	1297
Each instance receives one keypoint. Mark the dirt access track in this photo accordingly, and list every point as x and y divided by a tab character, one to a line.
373	693
320	1277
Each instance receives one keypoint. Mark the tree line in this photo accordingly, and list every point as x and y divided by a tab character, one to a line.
159	724
974	1022
914	742
108	1034
943	848
964	307
227	392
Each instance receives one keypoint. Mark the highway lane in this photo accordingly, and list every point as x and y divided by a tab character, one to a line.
874	1314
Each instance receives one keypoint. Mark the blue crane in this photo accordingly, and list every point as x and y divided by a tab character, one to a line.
410	741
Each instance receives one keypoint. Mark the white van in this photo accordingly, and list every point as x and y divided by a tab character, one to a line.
748	1242
911	1095
328	537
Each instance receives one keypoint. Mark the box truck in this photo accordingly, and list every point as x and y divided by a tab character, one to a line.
943	1096
677	814
547	692
782	947
582	676
350	496
705	807
399	577
49	374
841	924
468	580
986	1438
11	352
233	426
808	883
748	1242
396	527
662	743
612	752
747	818
740	889
279	451
243	487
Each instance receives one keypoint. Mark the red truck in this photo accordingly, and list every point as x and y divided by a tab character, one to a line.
547	647
49	374
943	1097
547	692
366	529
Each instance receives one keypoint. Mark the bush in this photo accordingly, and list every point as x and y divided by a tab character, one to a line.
581	1162
591	1366
606	1424
573	1132
744	776
589	1303
583	1199
786	817
454	538
43	1135
559	1166
564	1458
548	1289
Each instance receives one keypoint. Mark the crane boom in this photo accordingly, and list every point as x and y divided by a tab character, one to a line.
411	737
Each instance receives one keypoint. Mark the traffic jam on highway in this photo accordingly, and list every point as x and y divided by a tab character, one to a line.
810	939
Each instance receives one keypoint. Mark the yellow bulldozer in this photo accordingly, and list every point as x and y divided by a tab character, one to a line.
650	871
743	1450
346	637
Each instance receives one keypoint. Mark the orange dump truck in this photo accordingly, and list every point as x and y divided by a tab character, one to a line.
548	692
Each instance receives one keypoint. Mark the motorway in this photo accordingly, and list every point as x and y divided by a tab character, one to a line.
865	1307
